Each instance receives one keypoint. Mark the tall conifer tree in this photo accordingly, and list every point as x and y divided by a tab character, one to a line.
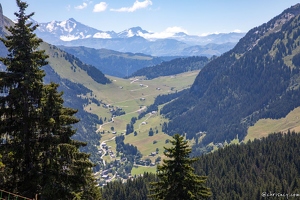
177	180
39	155
22	86
66	170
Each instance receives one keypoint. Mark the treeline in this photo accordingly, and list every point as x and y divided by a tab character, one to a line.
133	189
244	171
236	89
128	151
160	100
173	67
92	71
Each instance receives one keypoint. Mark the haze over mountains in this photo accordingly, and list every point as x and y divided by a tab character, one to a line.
136	40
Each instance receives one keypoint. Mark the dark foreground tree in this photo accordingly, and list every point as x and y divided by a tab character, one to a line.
21	87
65	169
38	154
177	180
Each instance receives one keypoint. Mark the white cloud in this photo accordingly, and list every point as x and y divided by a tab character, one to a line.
137	5
237	31
169	32
102	35
80	7
100	7
175	29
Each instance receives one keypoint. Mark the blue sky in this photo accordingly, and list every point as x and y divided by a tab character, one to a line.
195	17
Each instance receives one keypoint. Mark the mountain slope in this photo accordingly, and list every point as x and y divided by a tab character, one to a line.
256	79
112	62
57	55
173	67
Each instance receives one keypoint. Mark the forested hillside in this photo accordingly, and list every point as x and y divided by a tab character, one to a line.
173	67
257	79
112	62
248	171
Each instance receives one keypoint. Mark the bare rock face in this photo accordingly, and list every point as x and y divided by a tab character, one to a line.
1	18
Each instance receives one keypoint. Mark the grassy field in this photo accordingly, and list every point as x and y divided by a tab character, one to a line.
132	96
266	126
137	170
127	95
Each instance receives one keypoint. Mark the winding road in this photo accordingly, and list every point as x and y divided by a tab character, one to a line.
104	150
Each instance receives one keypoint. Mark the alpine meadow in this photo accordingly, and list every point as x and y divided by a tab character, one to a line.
91	114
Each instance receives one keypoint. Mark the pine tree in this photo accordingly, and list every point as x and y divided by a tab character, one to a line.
176	176
22	85
39	156
65	169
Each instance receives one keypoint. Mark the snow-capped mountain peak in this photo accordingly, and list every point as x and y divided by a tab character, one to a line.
71	29
134	31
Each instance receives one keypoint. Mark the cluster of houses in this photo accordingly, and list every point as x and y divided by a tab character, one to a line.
105	174
108	150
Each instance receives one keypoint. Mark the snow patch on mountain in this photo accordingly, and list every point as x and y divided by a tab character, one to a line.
51	26
68	38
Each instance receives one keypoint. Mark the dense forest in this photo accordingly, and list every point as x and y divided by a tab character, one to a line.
173	67
252	81
269	166
246	171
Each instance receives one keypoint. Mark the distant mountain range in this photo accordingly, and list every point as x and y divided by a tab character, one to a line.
136	40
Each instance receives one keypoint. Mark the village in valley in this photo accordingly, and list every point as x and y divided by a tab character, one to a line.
120	167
